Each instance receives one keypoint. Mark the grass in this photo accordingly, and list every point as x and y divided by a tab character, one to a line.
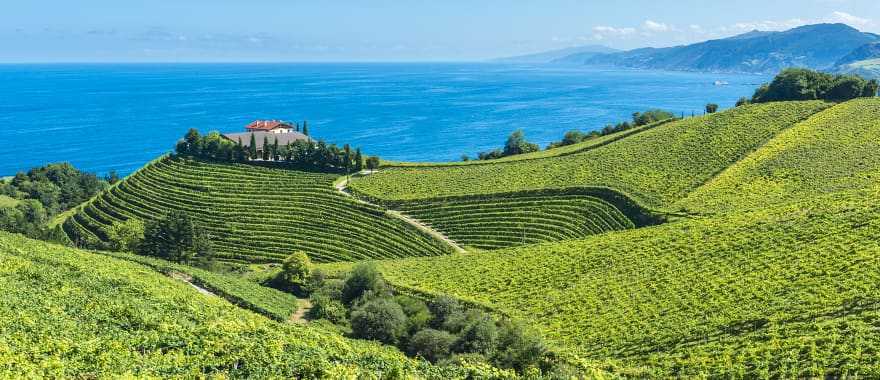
255	214
656	167
72	314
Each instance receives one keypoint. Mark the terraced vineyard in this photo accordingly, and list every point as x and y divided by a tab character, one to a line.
67	313
834	150
255	214
656	167
787	292
505	220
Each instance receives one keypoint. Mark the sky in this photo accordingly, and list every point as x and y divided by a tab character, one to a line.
383	30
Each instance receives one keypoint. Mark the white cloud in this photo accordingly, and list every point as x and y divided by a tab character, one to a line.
655	26
610	30
846	18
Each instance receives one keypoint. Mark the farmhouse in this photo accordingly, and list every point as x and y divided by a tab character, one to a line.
273	126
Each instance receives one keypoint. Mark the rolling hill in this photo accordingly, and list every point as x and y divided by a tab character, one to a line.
254	214
72	314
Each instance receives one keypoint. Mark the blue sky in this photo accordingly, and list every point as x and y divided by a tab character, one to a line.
415	30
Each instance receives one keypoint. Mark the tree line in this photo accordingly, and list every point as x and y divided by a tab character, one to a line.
805	84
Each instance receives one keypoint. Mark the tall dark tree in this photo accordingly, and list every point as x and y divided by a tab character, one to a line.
266	148
252	148
275	149
373	162
305	127
358	160
346	158
711	108
175	237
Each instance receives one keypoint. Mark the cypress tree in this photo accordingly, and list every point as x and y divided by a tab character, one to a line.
239	151
305	127
346	158
252	149
358	160
265	148
275	149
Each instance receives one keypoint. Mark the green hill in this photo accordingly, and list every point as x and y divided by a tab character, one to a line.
834	150
72	314
786	292
656	167
254	213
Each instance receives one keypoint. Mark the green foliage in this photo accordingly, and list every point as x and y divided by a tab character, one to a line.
325	307
433	345
805	84
176	238
126	236
505	220
380	319
832	151
655	167
254	214
363	279
373	162
73	314
296	270
711	108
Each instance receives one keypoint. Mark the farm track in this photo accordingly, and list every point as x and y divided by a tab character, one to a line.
342	188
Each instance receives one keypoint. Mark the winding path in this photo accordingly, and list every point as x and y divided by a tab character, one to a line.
341	186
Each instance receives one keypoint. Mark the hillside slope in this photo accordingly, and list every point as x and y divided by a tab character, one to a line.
656	167
785	292
72	314
834	150
255	214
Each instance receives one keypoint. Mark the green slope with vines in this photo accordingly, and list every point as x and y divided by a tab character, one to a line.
834	150
254	214
67	313
656	167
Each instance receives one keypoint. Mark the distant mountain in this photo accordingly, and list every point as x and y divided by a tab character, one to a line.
552	55
864	52
869	68
818	47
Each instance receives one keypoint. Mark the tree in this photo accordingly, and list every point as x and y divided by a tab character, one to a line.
711	108
358	160
805	84
305	127
252	148
518	347
362	279
442	308
275	149
266	148
346	158
742	101
433	345
380	319
295	270
175	237
517	144
126	236
480	336
373	163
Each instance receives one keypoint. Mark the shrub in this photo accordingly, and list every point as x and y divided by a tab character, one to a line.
480	335
380	319
518	347
416	311
804	84
363	278
175	237
442	307
433	345
126	236
711	108
295	271
325	307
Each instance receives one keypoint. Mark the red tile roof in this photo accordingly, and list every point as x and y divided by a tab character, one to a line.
266	125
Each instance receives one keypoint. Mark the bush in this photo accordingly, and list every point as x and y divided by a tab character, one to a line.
295	271
175	237
126	236
711	108
804	84
416	311
380	319
518	347
743	101
480	335
362	279
442	307
325	307
433	345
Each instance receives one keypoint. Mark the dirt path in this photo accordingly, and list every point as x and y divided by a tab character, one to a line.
341	186
188	279
300	315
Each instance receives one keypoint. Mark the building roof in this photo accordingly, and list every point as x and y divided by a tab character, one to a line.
266	125
283	138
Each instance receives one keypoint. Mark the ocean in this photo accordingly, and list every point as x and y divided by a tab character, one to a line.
103	117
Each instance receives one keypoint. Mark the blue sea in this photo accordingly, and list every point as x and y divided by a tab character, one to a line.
106	117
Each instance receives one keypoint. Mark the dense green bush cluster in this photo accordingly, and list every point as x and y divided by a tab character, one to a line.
252	214
40	193
805	84
441	331
516	144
